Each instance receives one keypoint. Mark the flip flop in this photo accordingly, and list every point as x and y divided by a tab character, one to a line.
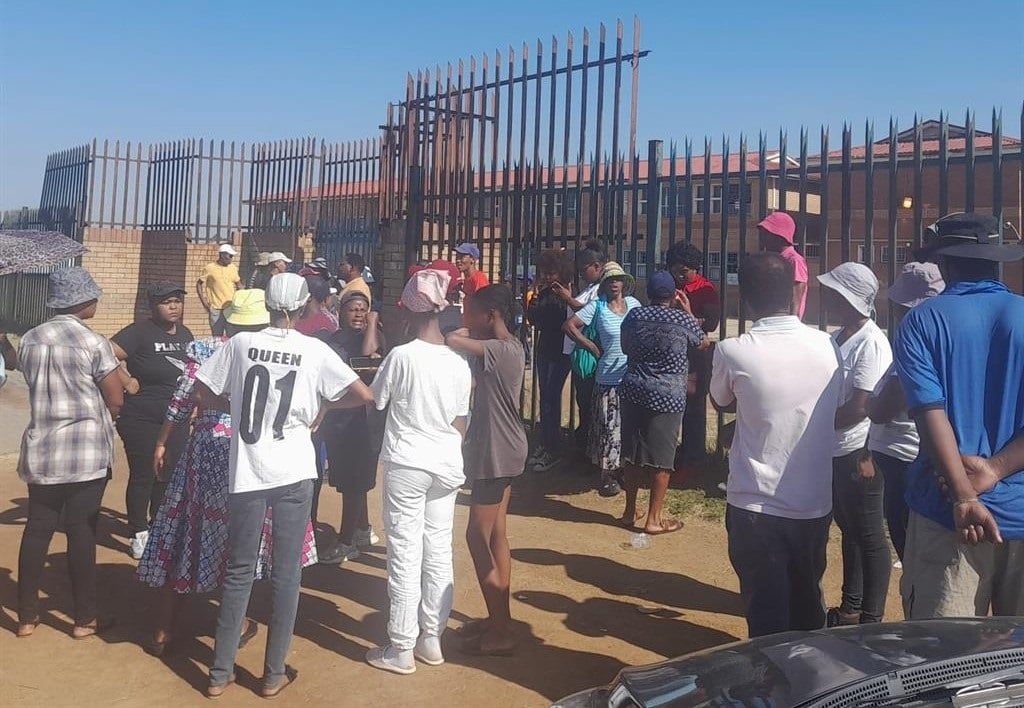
670	526
251	628
626	524
475	647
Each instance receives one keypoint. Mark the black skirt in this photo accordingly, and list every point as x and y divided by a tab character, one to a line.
649	438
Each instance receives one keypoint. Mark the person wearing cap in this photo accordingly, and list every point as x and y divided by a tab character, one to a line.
783	381
217	284
607	314
278	263
316	317
848	294
67	449
318	267
656	340
776	233
350	271
893	439
260	275
960	360
684	261
154	352
275	382
423	470
467	260
187	550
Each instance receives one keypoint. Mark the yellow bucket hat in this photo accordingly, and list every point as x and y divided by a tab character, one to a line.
248	307
614	270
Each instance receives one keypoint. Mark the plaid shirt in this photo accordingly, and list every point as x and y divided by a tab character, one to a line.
70	437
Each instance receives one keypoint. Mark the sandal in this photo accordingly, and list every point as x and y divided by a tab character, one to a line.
157	647
248	633
80	631
670	526
26	629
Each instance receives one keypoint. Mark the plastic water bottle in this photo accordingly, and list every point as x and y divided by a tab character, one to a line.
640	541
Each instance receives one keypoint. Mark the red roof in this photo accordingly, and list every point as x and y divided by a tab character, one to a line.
982	143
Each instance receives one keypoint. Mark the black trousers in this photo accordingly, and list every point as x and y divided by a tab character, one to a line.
144	492
859	510
584	398
77	504
780	563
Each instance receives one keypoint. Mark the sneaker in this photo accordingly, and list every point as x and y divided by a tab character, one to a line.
535	456
545	462
365	537
428	650
138	543
610	488
339	554
723	487
390	659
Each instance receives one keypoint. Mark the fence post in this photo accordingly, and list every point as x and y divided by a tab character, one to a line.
414	215
655	150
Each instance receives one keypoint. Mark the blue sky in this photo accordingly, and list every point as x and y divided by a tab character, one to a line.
255	70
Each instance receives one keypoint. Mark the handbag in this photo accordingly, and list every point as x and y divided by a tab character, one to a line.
582	362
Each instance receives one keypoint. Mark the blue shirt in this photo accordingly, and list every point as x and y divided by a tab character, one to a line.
612	364
656	341
963	351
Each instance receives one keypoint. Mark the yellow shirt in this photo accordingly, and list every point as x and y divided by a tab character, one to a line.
220	283
357	285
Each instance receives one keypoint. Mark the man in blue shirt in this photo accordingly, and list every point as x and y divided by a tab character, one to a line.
960	358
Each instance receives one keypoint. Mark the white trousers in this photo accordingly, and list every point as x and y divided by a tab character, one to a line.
419	511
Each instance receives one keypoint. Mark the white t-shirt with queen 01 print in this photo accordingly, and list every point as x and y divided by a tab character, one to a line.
276	380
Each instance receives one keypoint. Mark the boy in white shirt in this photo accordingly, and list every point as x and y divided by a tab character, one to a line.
276	382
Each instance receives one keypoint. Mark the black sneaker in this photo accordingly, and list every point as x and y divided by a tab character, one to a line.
610	488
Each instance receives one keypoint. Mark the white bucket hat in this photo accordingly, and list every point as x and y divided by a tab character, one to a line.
856	283
286	292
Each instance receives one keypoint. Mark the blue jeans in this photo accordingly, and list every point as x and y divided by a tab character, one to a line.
896	511
291	505
551	375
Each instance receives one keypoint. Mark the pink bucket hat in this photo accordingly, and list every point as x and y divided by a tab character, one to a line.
425	291
779	223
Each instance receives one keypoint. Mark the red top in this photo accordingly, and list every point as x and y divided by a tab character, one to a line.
477	281
703	297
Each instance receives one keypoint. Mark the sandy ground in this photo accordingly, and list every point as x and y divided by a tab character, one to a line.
586	604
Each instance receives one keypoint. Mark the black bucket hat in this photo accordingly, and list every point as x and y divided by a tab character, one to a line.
971	235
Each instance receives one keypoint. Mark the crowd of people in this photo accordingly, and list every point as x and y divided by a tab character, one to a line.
230	438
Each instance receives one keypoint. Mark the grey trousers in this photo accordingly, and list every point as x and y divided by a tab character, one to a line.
291	505
780	563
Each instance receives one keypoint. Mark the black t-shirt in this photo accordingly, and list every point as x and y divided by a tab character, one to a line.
156	359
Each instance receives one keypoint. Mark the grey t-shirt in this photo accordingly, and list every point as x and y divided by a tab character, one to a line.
496	443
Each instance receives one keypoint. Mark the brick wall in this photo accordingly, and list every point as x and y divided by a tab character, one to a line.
125	261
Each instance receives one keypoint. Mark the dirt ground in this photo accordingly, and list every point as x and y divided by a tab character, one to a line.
586	605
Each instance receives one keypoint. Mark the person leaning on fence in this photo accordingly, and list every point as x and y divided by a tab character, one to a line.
68	447
260	272
425	388
606	315
960	359
684	261
848	293
893	439
783	381
657	340
277	381
776	233
547	313
217	285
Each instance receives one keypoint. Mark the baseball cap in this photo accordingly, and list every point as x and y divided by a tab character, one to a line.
661	286
248	307
286	292
916	283
468	249
972	235
779	223
318	264
856	283
228	249
278	256
164	289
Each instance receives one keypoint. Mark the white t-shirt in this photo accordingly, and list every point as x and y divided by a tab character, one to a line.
898	438
588	295
865	356
276	380
427	386
785	378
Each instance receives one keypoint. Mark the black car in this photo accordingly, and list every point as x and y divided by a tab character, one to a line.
961	663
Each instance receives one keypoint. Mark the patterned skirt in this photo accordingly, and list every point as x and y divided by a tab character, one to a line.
188	541
605	442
